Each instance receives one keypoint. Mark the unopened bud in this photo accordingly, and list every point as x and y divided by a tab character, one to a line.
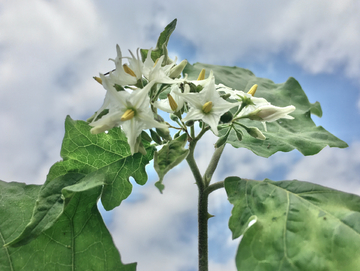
145	136
155	137
222	140
174	117
226	117
253	90
255	132
201	75
129	114
176	71
189	123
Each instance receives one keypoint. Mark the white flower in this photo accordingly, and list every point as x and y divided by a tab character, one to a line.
130	110
174	102
154	72
207	105
124	75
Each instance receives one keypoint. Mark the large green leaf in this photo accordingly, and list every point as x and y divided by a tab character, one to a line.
79	240
83	152
299	226
284	135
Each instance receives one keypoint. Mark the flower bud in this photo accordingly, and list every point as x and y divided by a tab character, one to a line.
155	137
173	117
222	140
189	123
176	71
271	113
145	136
255	132
164	133
226	117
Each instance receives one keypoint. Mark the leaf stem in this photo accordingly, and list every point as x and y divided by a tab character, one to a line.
215	186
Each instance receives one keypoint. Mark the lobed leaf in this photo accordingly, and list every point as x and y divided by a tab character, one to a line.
83	153
89	161
299	226
78	240
284	135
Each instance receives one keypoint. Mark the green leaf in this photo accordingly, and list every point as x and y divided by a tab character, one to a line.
299	226
161	45
284	135
168	157
79	240
83	153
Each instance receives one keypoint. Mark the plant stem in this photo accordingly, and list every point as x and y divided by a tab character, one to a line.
214	186
203	217
204	190
213	164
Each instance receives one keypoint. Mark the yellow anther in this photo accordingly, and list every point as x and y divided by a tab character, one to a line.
172	103
129	114
253	90
156	61
201	75
98	79
207	107
128	70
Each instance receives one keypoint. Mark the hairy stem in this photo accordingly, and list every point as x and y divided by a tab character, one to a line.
213	164
204	190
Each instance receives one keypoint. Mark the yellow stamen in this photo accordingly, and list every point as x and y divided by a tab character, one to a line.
207	107
253	90
201	75
156	61
128	70
129	114
172	103
98	79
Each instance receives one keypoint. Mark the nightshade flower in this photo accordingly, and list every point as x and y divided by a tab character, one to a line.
129	110
207	105
174	102
124	75
155	72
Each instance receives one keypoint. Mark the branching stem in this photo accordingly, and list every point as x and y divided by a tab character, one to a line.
204	189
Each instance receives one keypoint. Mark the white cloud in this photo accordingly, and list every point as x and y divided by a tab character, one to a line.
159	231
321	36
335	168
44	46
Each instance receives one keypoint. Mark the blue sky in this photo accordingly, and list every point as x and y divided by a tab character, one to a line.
49	51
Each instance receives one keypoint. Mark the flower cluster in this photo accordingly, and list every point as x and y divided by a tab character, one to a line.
136	90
